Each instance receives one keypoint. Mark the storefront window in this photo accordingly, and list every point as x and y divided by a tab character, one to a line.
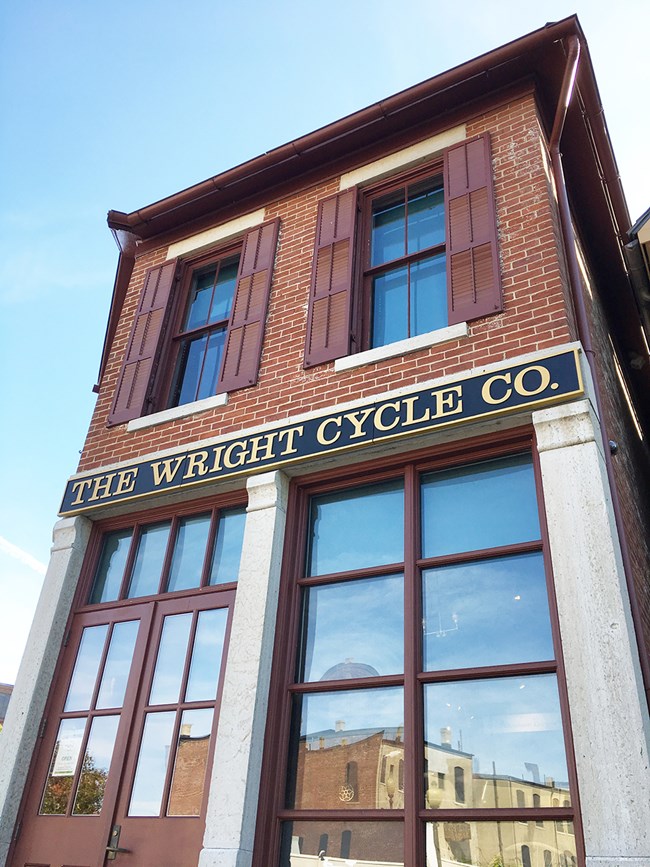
426	662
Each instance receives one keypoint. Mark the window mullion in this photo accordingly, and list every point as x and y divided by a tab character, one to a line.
413	716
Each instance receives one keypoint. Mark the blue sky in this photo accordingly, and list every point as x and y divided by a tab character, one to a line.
116	105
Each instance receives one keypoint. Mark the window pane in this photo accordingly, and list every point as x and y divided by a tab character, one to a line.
207	654
94	771
489	612
199	299
228	546
354	629
224	291
146	797
428	295
212	365
118	664
338	728
86	668
190	363
357	528
108	579
152	545
189	552
390	307
498	843
387	235
497	731
190	763
372	844
426	216
65	756
480	506
170	662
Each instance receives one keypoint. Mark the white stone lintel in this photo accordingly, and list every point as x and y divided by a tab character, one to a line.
568	424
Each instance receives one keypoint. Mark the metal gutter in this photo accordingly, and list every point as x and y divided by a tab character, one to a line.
616	200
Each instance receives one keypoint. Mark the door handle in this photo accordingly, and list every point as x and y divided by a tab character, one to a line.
112	850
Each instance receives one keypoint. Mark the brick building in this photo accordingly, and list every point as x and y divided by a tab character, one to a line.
353	568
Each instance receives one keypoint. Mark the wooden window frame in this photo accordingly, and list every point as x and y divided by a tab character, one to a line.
366	272
272	812
188	269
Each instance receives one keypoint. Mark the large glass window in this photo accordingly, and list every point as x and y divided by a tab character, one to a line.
425	701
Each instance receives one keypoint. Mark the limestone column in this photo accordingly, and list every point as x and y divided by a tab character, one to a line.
234	786
21	727
609	715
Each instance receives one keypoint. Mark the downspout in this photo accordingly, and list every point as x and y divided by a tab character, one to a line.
584	335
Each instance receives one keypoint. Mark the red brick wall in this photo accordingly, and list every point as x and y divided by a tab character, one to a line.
535	316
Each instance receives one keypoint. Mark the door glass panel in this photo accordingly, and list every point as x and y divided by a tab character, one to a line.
108	579
146	797
481	506
97	761
62	767
118	664
337	729
354	629
485	734
228	546
152	545
356	844
488	612
206	655
190	763
86	667
170	663
357	528
189	552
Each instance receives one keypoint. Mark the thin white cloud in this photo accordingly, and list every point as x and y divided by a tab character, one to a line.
24	557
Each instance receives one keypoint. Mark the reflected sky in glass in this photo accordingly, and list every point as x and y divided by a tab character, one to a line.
480	506
356	622
206	655
152	545
110	571
118	664
86	668
489	612
511	722
367	710
149	782
428	308
228	546
170	662
357	528
390	307
189	552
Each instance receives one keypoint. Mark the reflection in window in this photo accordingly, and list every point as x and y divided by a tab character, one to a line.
147	570
525	856
146	796
189	553
459	785
170	663
207	653
190	763
63	766
117	665
357	528
228	547
108	580
86	668
96	763
369	842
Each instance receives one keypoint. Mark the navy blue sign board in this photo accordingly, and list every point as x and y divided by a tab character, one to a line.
542	381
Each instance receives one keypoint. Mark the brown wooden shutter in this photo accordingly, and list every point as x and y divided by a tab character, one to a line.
143	347
330	297
473	271
241	360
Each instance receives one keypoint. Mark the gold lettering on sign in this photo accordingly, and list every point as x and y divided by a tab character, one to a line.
290	434
379	416
102	487
196	464
232	460
448	401
262	447
357	420
126	481
486	391
410	418
544	380
79	488
170	467
320	433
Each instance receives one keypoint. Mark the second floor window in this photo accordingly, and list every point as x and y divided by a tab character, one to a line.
202	335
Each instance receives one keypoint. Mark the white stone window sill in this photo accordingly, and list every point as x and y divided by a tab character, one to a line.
176	412
402	347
